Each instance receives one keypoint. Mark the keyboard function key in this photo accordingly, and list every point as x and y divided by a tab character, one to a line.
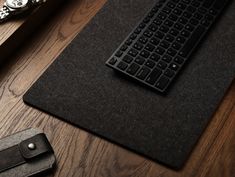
122	65
133	69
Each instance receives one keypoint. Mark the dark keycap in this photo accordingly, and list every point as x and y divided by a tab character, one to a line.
187	15
159	34
176	45
133	68
154	75
191	9
198	16
150	47
189	27
177	11
143	40
142	25
138	30
133	52
167	58
173	17
160	50
124	47
162	16
181	6
169	38
143	72
171	5
128	42
154	41
148	33
178	26
165	44
171	52
185	33
140	60
174	32
153	27
122	65
166	10
169	73
155	57
202	10
179	60
180	39
150	63
146	20
133	36
162	65
157	21
145	54
192	41
162	83
183	20
194	21
164	29
127	59
138	46
168	23
209	17
195	3
186	1
119	53
112	61
174	67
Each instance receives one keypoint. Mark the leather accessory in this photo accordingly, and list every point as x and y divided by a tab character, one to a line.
25	154
15	7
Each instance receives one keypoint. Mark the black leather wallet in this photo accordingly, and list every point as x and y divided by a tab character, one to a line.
25	154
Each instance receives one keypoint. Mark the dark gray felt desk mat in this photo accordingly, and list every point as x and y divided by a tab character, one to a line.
80	89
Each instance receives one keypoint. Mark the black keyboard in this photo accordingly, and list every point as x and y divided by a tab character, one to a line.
156	50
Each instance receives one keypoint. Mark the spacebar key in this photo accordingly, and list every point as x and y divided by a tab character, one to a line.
193	40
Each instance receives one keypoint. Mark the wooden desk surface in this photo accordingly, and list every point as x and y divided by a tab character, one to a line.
80	154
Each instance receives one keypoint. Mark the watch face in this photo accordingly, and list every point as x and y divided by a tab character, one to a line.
17	4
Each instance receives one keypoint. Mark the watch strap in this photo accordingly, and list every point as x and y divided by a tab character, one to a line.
4	13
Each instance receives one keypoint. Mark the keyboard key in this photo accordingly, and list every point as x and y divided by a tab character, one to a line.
124	47
122	66
150	63
162	16
167	58
154	75
165	44
176	45
150	47
138	46
192	41
181	6
171	52
143	40
133	52
179	60
185	33
160	50
148	33
155	57
174	32
133	69
183	20
153	27
162	65
159	35
168	23
119	53
154	41
140	60
169	73
180	39
173	17
127	59
173	67
143	72
169	38
112	61
162	83
145	54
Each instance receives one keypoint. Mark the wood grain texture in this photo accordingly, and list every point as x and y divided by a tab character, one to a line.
80	154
